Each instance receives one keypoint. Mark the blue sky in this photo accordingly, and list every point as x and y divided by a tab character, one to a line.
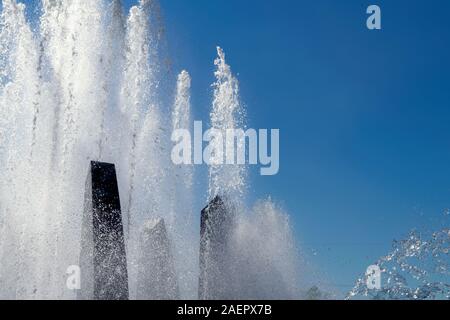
364	115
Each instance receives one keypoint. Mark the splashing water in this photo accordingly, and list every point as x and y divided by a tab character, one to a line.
182	197
81	88
227	113
265	256
87	84
418	268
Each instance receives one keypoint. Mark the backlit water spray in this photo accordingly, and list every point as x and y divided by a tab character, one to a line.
88	84
417	268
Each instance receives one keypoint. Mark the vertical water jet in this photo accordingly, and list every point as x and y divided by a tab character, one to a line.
103	258
87	83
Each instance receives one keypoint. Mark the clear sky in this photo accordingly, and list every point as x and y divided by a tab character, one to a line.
364	115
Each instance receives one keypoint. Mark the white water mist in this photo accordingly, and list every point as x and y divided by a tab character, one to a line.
88	84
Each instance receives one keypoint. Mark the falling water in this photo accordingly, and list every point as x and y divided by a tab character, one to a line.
417	268
80	88
88	84
181	193
263	253
227	113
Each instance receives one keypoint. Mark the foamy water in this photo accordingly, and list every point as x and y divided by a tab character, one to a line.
87	84
417	268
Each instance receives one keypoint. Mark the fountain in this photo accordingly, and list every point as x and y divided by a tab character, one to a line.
103	258
417	268
217	224
89	83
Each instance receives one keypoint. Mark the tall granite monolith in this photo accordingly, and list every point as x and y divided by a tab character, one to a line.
216	274
103	260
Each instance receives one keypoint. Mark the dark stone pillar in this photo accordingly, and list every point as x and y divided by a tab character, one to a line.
103	260
217	221
156	272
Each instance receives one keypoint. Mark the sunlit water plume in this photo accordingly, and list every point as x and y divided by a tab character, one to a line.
89	84
417	268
